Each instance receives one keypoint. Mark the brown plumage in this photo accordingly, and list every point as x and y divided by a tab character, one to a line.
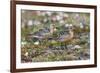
67	37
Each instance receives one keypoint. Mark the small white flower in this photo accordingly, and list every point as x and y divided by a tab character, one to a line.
45	20
70	25
61	22
81	26
23	43
55	29
30	22
66	25
36	43
49	13
58	17
77	15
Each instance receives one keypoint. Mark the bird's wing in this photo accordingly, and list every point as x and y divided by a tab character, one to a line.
63	37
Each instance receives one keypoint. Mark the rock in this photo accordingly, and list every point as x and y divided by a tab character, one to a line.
26	54
69	46
84	55
77	46
26	59
73	47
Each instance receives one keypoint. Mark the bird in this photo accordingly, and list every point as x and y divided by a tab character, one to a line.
66	38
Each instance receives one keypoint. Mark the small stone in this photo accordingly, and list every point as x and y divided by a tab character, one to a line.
26	54
77	46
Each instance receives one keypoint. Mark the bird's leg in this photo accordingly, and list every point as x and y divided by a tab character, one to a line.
65	45
61	46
